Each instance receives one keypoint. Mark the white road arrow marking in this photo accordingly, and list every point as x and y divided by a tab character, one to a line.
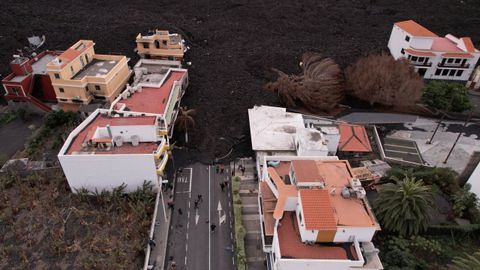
197	216
219	209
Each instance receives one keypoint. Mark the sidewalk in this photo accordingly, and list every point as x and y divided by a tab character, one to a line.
250	214
158	253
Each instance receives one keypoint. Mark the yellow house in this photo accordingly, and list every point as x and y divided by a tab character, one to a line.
79	75
160	44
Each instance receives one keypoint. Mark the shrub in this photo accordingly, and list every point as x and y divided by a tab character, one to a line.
464	200
447	96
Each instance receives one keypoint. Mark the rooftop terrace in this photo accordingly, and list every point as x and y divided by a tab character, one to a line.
96	68
87	133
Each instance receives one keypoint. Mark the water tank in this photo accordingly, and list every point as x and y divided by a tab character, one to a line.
118	140
135	140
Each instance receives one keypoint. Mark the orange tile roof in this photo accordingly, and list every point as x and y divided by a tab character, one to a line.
415	29
419	53
72	53
353	138
317	209
284	191
306	171
468	44
268	205
457	55
291	245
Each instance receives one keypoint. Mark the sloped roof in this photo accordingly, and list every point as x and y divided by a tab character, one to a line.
415	29
468	44
317	209
306	171
419	53
353	138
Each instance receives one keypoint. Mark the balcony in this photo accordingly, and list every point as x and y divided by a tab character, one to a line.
162	164
421	64
454	65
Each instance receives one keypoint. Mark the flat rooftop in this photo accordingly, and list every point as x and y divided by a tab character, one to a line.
96	68
273	122
291	245
102	121
40	67
152	99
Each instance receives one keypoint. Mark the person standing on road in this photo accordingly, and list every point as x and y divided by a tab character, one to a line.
243	171
222	186
200	199
217	168
222	168
195	204
180	211
212	228
171	205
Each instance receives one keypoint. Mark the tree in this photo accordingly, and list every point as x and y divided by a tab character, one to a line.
446	96
185	119
403	206
380	79
319	88
468	262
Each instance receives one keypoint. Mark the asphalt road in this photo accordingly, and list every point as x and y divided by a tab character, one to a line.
192	245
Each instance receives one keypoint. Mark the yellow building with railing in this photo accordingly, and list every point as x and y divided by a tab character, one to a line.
160	44
79	75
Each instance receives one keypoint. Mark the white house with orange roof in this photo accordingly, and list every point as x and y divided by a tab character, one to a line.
314	215
434	57
158	88
111	148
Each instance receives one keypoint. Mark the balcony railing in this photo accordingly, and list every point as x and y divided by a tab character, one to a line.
454	65
421	64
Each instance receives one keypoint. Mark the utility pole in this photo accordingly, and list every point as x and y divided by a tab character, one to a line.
458	137
435	132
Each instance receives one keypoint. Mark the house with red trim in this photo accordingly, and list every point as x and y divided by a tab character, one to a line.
432	56
29	81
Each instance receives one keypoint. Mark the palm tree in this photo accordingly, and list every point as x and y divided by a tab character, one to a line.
185	119
403	206
468	262
318	89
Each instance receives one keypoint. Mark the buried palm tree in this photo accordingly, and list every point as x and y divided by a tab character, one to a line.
468	262
184	120
403	206
318	89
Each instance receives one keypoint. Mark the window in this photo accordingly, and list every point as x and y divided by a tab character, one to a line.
407	38
71	69
452	72
97	87
86	58
81	61
300	217
402	51
146	45
64	99
437	72
459	72
15	90
414	58
57	76
458	60
61	90
444	72
77	101
409	57
421	59
164	42
449	60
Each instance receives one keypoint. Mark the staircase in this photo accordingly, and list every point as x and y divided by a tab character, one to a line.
250	214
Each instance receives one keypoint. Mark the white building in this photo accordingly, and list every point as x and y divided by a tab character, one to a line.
109	149
274	131
158	88
434	57
314	215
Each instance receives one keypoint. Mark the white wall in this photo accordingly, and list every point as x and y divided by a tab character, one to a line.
108	171
474	180
146	133
304	264
344	234
306	235
291	204
397	42
424	43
